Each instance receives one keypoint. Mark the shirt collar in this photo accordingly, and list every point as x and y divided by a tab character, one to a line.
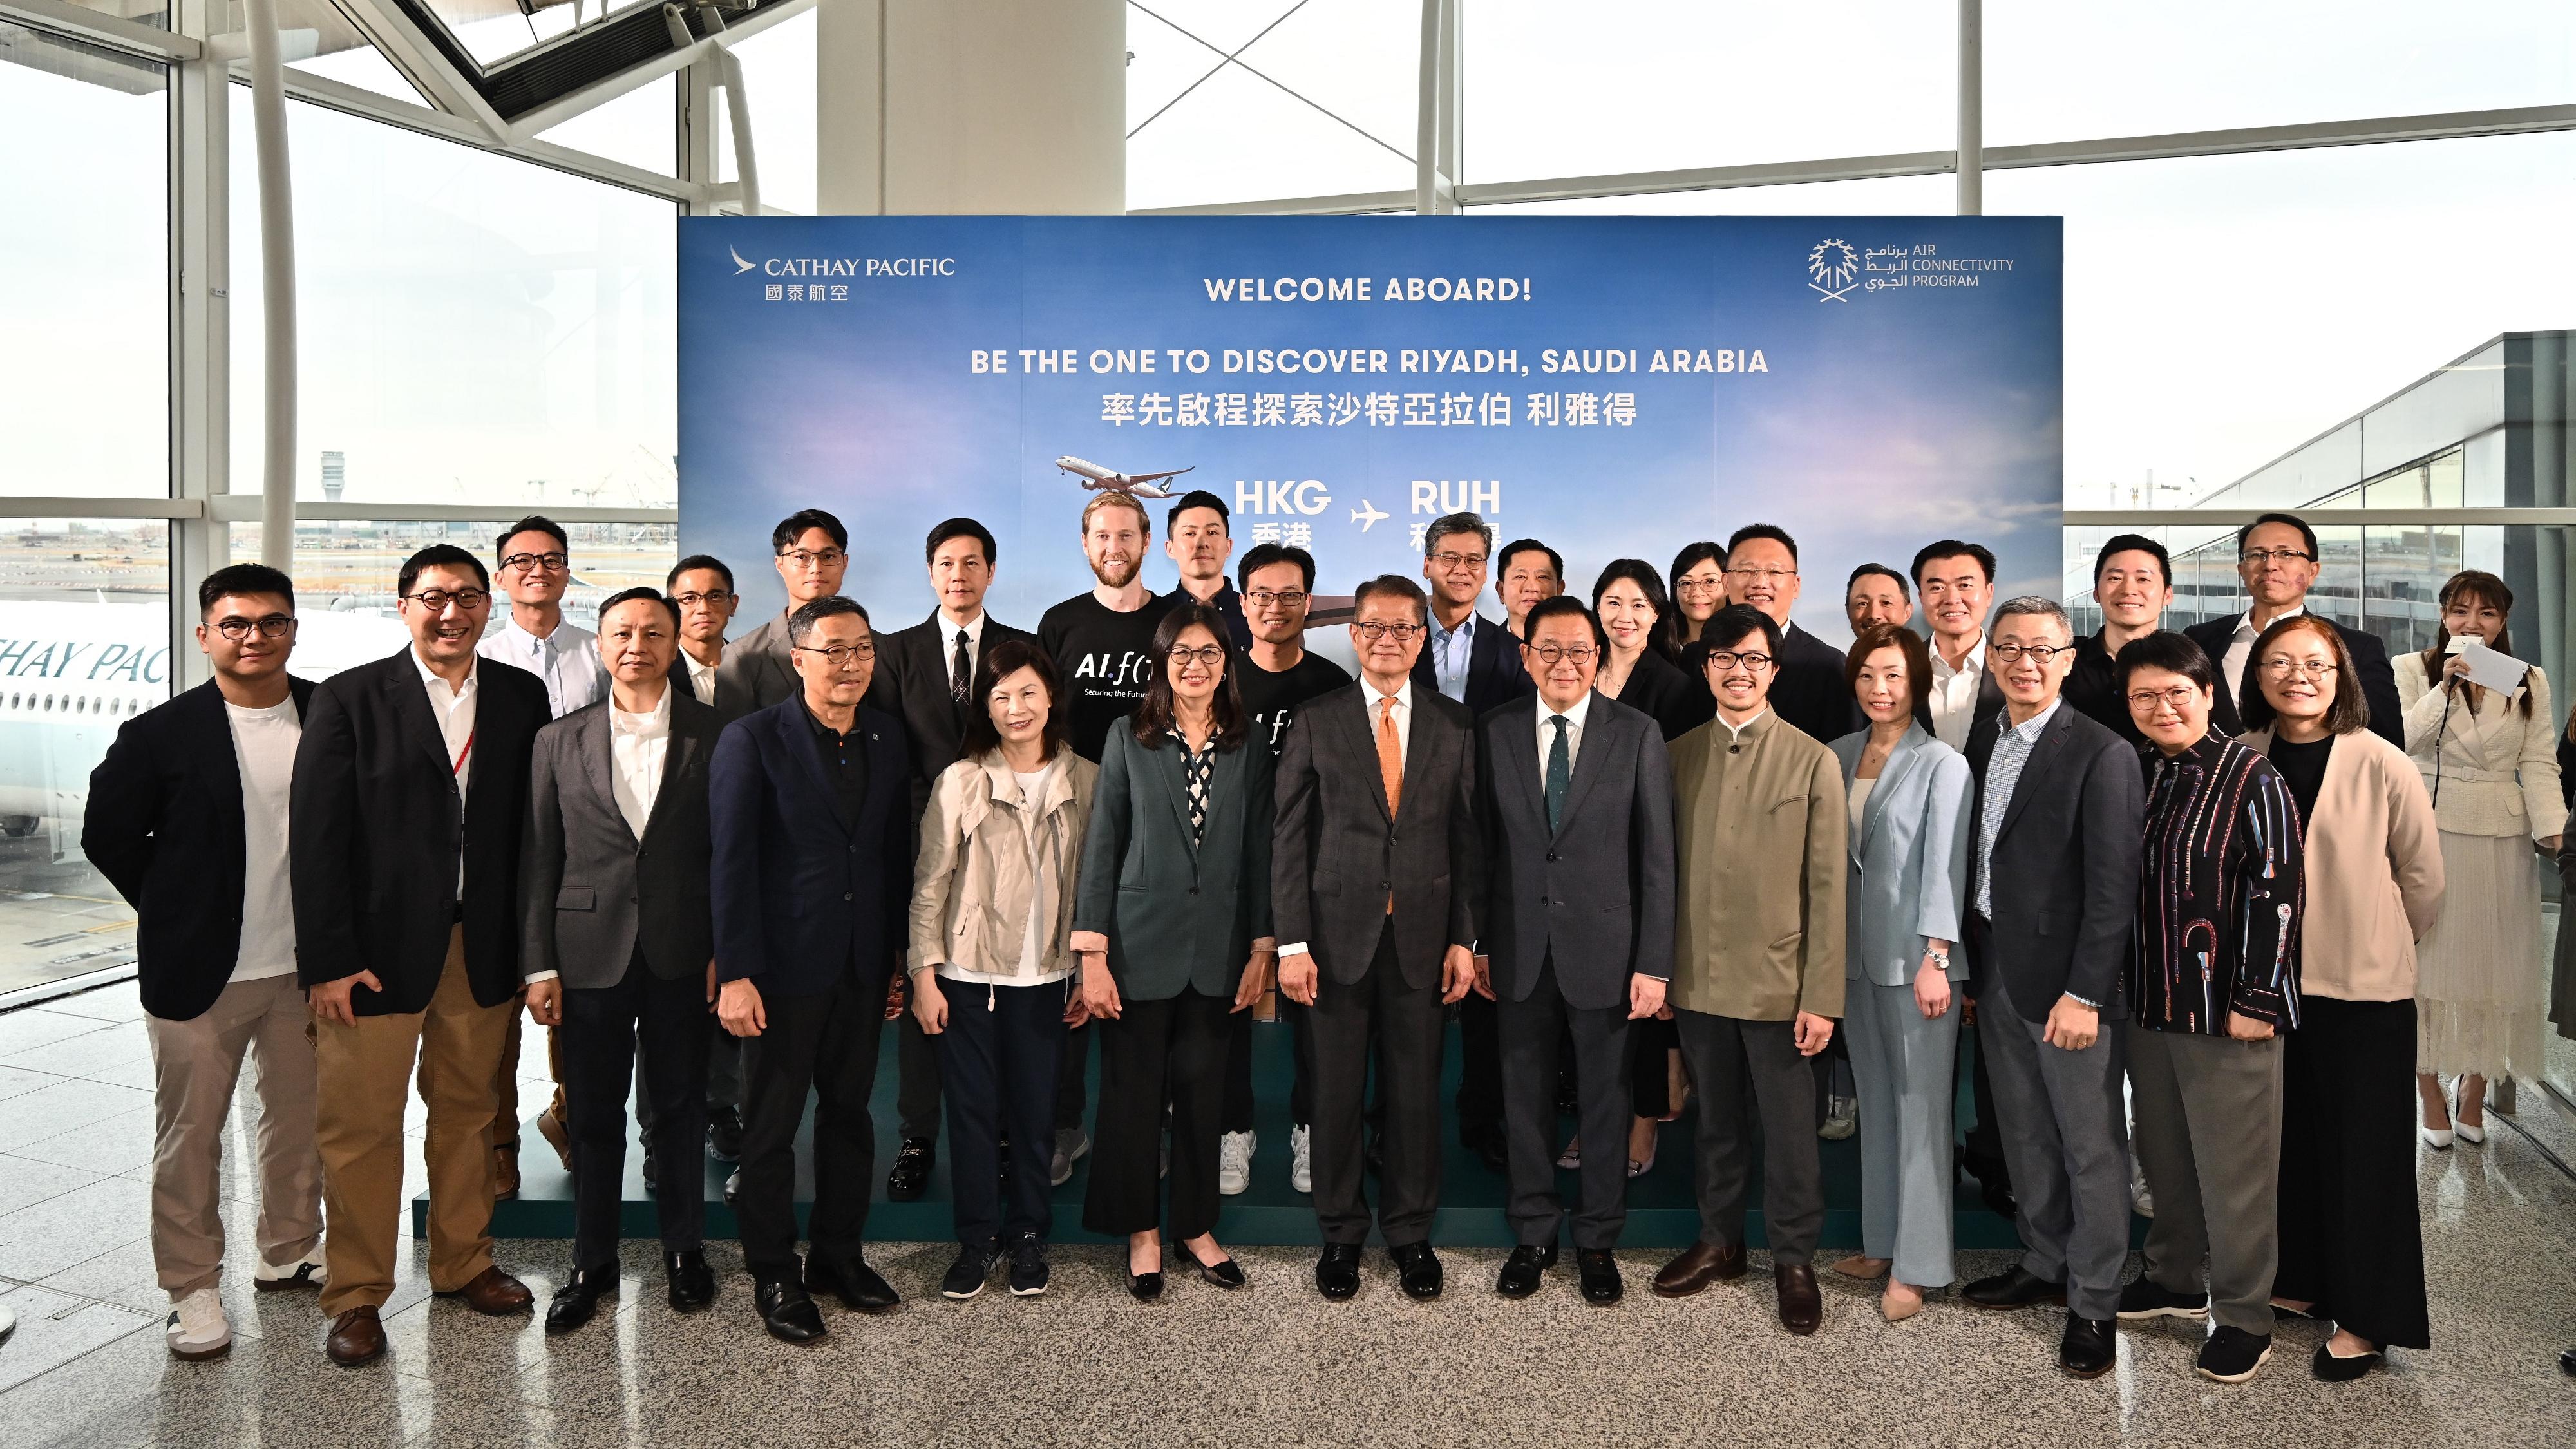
948	631
2245	625
820	728
429	676
565	636
1466	627
1974	664
647	725
2029	729
1403	695
1574	716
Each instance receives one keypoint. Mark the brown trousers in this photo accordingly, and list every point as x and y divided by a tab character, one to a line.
364	1071
195	1065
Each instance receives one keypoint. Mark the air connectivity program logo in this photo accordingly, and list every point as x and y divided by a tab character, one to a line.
1833	269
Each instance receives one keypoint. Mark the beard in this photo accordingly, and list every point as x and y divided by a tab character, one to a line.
1116	573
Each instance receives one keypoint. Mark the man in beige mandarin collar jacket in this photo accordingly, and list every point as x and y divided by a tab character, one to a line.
1760	832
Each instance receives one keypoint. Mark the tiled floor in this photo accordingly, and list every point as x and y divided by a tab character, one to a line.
1272	1364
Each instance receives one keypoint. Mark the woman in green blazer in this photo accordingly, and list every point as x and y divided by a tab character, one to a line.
1171	927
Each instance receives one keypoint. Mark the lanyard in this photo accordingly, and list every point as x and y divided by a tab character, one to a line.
458	768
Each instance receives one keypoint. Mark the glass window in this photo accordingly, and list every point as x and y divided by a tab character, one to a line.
640	128
472	328
493	32
345	573
778	77
84	647
155	13
319	40
84	270
1878	196
1319	103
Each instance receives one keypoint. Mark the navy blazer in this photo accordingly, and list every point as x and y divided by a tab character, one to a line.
803	904
164	825
1495	673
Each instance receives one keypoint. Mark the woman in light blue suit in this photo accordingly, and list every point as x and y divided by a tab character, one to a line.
1910	797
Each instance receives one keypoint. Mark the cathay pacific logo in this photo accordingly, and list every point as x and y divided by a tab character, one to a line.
739	265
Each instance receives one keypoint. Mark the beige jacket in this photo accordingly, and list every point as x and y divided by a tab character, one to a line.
2498	770
2374	872
1760	830
972	886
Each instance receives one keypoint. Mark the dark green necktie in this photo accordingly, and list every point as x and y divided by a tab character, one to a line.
1559	774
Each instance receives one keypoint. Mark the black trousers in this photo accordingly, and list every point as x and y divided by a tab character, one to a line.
1480	1070
1983	1156
826	1045
2352	1239
602	1028
724	1076
1238	1067
916	1065
1070	1089
1650	1079
1531	1032
998	1060
1409	1028
1173	1051
1747	1072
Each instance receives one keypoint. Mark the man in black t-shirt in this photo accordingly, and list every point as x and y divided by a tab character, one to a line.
1102	641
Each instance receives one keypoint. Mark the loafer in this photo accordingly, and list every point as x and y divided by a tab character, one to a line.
1599	1270
1802	1306
2089	1347
965	1278
1223	1273
1337	1272
691	1286
909	1178
2146	1298
1520	1275
1145	1287
1417	1268
494	1293
2334	1368
2015	1287
2231	1355
355	1337
1699	1265
724	1134
578	1298
857	1285
787	1311
505	1172
1028	1266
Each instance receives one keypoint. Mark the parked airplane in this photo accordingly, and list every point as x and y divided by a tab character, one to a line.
1135	485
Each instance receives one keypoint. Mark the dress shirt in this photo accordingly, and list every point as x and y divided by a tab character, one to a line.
1953	695
2013	744
702	678
1403	698
1452	651
637	745
1573	735
2240	647
948	647
567	660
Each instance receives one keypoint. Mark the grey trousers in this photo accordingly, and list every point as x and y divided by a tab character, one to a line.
1528	1032
2209	1141
195	1064
2067	1145
1903	1066
1729	1059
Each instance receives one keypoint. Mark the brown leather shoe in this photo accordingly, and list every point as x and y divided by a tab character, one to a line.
1699	1265
505	1171
494	1292
1801	1306
550	1126
355	1337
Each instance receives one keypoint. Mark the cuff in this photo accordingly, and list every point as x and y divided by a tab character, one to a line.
533	977
1267	943
1088	941
2262	1006
1293	948
2080	1001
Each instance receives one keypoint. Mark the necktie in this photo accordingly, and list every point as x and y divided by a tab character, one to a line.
961	672
1390	768
1559	774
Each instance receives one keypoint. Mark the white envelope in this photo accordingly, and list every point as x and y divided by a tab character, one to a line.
2492	669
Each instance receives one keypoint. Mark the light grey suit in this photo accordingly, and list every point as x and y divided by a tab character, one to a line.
759	667
1908	884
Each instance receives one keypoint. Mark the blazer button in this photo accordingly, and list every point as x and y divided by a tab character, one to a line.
845	895
1551	855
1735	749
1194	890
1542	900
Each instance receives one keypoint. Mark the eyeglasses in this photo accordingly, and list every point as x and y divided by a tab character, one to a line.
1698	586
1772	576
552	563
1210	655
2307	669
437	600
691	601
1452	562
1282	598
2261	557
271	626
1399	632
807	559
1553	655
2039	653
2175	699
841	655
1728	659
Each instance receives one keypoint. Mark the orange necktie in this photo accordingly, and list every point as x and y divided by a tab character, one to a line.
1390	768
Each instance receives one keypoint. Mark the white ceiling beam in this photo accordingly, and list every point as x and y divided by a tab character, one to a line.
599	93
99	27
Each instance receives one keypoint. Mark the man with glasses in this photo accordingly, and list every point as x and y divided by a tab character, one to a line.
1956	580
1757	972
813	552
701	588
187	818
810	803
404	821
1806	686
2276	556
1197	540
1526	571
1467	657
2052	894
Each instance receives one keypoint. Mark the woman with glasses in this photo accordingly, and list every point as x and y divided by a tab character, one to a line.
2351	1246
1172	933
2490	762
1698	580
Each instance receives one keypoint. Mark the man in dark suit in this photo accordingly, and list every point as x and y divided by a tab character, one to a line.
1377	874
813	552
613	894
924	675
1956	581
187	819
1578	928
701	588
410	795
1466	656
2052	901
810	804
2276	556
1807	685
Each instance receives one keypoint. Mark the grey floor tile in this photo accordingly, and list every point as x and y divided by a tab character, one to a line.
73	1227
120	1002
33	1026
138	1073
25	1182
53	1329
107	1146
54	1110
85	1053
14	1080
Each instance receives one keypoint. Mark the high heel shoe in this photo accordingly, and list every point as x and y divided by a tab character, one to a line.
2437	1138
2470	1133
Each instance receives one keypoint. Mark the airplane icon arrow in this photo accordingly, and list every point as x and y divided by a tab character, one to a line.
1366	515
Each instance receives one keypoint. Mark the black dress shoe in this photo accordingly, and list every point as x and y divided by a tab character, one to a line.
1418	1269
2015	1287
1224	1273
1337	1272
854	1283
909	1178
1999	1199
1487	1144
2089	1349
1145	1287
1520	1275
724	1134
652	1171
692	1286
578	1298
1600	1270
787	1312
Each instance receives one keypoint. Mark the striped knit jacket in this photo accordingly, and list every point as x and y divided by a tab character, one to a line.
2220	892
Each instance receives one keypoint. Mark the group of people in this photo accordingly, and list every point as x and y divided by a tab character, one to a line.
1657	846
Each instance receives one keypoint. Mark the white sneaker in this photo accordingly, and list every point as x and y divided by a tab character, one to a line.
2139	1197
1301	1159
1234	1162
196	1327
304	1272
1842	1119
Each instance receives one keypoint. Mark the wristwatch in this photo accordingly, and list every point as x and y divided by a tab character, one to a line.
1940	958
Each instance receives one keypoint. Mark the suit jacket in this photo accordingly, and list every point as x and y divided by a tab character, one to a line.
1676	702
2065	868
1495	674
1340	854
912	684
1759	835
2496	767
2373	870
803	902
376	830
733	697
1595	895
760	666
164	825
1169	913
1909	859
589	892
1807	689
2369	659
